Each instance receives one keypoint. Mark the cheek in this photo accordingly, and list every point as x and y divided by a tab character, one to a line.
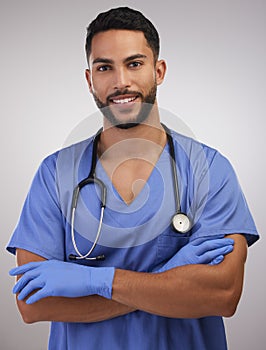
100	86
149	79
97	89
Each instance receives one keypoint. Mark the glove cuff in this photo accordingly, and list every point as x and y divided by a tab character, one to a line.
102	278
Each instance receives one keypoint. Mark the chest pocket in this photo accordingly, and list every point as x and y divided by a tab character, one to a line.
168	244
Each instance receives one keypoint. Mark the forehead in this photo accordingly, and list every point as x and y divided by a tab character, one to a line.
116	44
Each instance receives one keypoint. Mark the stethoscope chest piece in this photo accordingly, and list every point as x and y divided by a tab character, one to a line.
181	223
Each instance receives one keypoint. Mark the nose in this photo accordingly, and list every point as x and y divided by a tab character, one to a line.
121	79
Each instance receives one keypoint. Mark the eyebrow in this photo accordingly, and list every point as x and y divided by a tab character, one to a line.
134	57
110	61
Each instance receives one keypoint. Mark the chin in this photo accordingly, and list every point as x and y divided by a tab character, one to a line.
128	125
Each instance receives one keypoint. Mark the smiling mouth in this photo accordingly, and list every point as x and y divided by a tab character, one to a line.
120	100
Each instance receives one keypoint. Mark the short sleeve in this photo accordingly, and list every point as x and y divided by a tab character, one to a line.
222	207
40	229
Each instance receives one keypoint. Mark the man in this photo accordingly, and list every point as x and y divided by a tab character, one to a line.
157	288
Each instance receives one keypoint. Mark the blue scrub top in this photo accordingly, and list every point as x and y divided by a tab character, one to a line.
137	237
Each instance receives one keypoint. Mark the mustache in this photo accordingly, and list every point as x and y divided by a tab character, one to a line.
124	92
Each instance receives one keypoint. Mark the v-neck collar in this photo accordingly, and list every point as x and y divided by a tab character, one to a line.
114	197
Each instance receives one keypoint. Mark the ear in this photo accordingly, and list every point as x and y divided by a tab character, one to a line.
160	71
88	78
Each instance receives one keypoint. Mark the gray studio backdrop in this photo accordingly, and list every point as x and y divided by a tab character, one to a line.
215	83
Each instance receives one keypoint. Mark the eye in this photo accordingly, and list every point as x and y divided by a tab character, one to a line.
135	64
103	68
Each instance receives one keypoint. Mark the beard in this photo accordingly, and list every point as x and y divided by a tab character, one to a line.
146	105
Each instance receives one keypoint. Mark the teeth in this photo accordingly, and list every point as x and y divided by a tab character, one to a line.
124	100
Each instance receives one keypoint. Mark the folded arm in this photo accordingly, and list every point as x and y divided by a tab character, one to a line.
189	291
92	308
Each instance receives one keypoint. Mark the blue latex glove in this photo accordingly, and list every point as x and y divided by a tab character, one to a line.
204	250
58	278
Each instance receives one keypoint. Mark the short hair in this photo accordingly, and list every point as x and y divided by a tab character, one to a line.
123	18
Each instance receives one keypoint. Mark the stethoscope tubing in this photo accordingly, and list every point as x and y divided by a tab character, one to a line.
86	256
180	220
173	166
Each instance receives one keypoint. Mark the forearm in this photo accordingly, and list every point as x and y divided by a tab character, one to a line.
189	291
83	310
184	292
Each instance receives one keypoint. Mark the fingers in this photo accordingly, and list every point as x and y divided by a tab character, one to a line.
29	280
217	260
28	283
24	280
40	294
212	255
201	240
30	287
212	245
20	270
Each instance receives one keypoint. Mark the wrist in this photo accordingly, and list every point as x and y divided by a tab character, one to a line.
102	279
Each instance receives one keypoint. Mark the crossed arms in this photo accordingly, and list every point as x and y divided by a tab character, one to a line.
190	291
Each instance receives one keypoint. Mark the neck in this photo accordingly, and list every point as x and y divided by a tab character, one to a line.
151	130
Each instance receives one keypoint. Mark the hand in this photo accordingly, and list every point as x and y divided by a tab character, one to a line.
201	251
58	278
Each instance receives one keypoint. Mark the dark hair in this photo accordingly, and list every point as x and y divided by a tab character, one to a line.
124	18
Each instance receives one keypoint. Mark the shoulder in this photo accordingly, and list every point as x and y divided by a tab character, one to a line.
191	145
198	156
67	156
195	150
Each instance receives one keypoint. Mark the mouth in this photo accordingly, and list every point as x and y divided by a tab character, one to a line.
123	100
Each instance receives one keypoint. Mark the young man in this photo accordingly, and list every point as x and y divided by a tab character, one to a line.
158	288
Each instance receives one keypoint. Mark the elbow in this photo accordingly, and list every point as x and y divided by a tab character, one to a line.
229	310
27	319
231	294
27	312
230	302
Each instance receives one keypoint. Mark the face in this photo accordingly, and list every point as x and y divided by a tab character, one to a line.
123	76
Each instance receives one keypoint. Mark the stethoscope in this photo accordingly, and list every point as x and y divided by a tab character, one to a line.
180	221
